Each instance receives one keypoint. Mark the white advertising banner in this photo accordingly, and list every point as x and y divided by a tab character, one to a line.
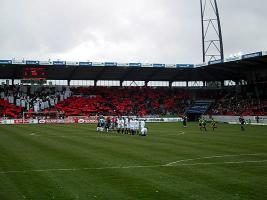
146	65
233	58
98	64
235	119
154	120
19	62
18	121
71	63
45	63
79	120
170	65
123	64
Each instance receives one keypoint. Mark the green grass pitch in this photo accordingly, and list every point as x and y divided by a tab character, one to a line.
75	162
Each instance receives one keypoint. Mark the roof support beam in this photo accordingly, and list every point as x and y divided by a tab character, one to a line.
100	74
153	74
73	72
127	74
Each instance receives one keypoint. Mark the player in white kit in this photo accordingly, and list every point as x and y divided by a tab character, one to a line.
120	125
136	126
143	128
144	131
142	124
126	125
132	126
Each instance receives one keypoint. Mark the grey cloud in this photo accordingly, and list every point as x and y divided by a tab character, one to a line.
167	31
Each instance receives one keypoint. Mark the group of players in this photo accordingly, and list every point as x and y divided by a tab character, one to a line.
122	125
133	126
202	123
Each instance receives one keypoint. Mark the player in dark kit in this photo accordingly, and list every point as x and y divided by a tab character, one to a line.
185	121
257	119
200	123
108	124
242	123
213	124
204	123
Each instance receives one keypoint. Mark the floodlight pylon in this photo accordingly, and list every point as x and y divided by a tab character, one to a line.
212	42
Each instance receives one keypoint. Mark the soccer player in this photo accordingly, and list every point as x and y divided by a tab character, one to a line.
119	125
204	123
98	125
132	126
257	119
126	125
113	123
136	126
144	131
122	125
242	123
185	121
108	124
200	123
213	124
142	124
101	124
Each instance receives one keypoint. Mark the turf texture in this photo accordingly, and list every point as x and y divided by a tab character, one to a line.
172	162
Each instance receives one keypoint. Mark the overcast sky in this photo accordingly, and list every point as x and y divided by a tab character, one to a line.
154	31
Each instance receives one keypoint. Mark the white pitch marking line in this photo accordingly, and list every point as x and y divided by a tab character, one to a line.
78	169
209	157
96	136
34	134
131	167
229	162
180	133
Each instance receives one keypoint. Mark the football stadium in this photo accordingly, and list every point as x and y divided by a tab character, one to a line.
134	130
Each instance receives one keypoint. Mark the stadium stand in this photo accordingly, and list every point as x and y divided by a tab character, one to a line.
239	104
138	101
16	99
124	101
213	94
115	101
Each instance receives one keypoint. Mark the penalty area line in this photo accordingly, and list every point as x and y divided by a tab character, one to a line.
210	157
220	163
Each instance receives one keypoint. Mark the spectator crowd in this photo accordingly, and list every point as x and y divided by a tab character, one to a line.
121	101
